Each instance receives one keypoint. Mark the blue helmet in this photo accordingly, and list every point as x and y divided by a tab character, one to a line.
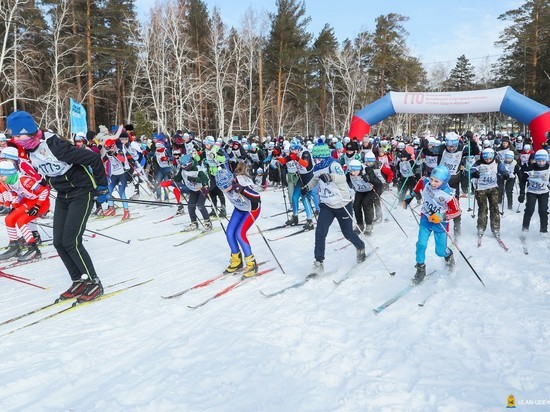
295	144
441	173
224	179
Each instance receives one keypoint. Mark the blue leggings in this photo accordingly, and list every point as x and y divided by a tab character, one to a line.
118	181
238	225
296	194
440	236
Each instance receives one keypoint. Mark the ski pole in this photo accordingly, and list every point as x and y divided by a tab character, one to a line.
284	189
146	202
407	178
263	237
469	173
366	240
217	215
17	279
503	199
94	234
383	201
474	208
461	254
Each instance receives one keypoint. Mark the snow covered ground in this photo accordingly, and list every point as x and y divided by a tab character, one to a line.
316	348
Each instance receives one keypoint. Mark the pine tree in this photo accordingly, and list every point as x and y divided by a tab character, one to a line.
389	47
325	45
286	57
526	61
462	76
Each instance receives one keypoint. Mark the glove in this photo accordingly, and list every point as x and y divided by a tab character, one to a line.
304	190
102	194
237	187
407	201
33	211
205	191
436	218
325	177
293	156
521	198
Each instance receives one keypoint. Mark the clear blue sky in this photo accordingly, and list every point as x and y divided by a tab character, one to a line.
439	30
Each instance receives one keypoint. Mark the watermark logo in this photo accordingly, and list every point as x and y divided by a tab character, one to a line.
511	402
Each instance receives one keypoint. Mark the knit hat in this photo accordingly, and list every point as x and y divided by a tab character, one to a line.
224	179
7	168
21	123
10	152
159	136
320	151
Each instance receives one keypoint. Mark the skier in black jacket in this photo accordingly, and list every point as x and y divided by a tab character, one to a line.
78	177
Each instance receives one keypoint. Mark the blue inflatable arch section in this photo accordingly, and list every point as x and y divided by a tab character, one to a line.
505	100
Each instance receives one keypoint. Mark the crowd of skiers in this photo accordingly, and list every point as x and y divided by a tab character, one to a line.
330	177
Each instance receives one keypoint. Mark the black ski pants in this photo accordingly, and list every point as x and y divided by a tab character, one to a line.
69	222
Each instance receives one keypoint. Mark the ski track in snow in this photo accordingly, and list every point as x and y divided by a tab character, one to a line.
315	348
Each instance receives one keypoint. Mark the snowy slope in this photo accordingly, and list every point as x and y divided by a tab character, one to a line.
316	348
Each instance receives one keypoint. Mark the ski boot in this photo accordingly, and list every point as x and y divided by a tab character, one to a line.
309	225
110	211
74	290
450	260
181	210
235	263
361	256
318	269
31	253
207	225
126	215
36	236
420	273
13	250
92	290
293	221
222	213
191	226
251	268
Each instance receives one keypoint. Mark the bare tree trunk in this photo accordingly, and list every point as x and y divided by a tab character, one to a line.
78	65
89	72
261	93
119	94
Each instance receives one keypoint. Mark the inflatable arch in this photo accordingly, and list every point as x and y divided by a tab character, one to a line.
504	99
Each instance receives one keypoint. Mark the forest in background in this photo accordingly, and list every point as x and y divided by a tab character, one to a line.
185	69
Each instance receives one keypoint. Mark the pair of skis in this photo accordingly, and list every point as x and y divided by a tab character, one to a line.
403	292
498	239
215	279
74	303
314	275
